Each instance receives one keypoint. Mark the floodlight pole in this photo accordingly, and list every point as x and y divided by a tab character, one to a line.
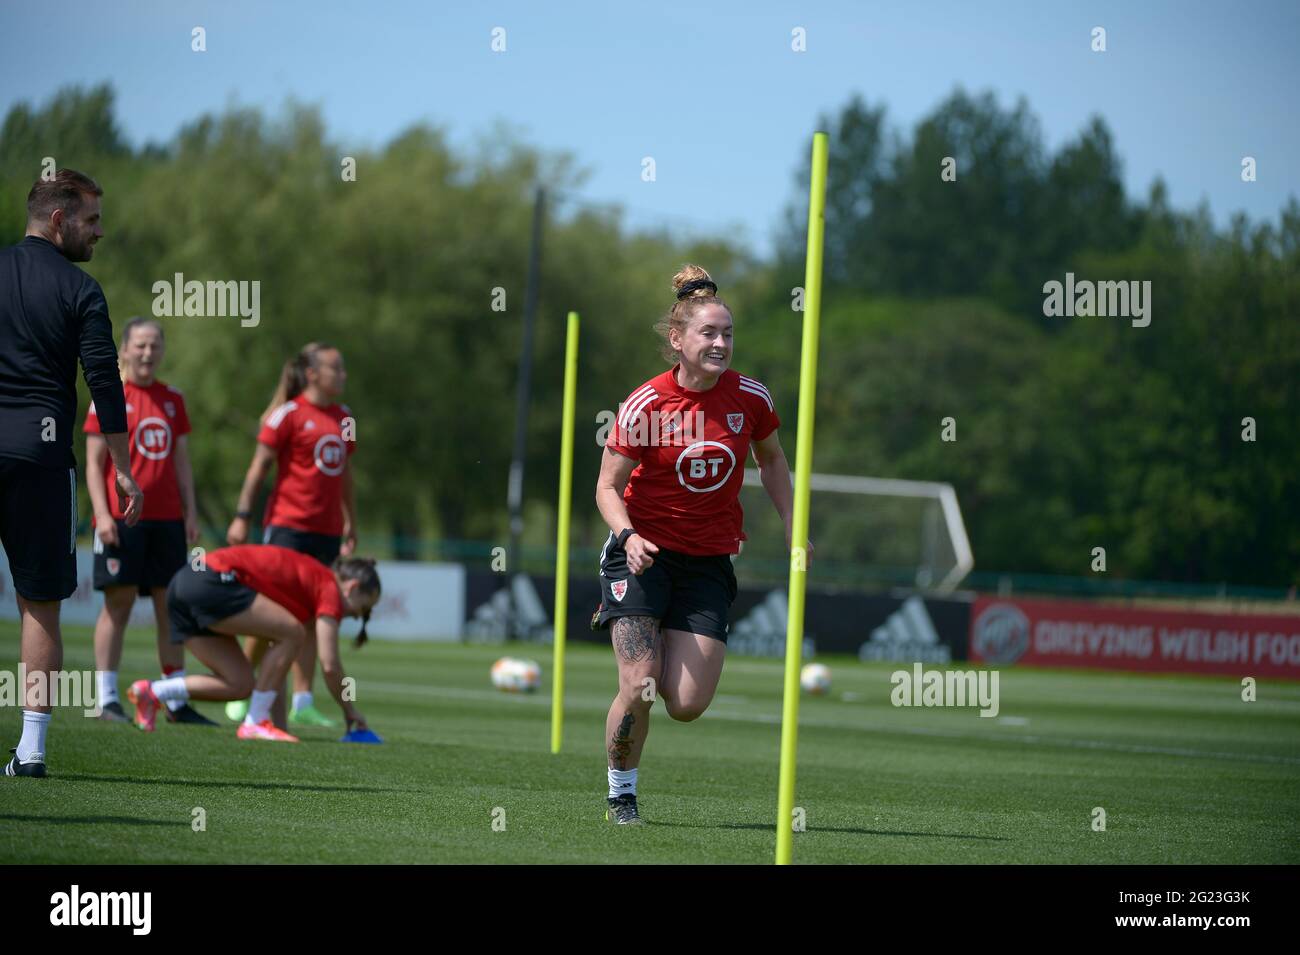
515	492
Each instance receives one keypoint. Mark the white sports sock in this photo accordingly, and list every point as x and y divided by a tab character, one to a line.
259	707
171	690
107	682
301	700
621	782
32	745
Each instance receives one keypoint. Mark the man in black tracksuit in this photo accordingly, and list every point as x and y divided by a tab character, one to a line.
51	313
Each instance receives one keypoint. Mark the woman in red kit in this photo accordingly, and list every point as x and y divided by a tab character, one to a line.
277	595
309	438
669	489
141	560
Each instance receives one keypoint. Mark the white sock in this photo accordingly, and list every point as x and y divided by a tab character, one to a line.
32	746
301	700
259	707
171	690
621	782
107	680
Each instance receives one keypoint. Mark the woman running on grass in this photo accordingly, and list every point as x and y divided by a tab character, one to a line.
272	593
309	438
669	489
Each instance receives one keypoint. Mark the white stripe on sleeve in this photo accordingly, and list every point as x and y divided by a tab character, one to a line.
762	394
624	415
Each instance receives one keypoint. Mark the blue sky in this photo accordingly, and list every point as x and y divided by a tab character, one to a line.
712	91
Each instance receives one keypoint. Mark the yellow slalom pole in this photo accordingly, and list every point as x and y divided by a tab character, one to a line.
562	530
812	303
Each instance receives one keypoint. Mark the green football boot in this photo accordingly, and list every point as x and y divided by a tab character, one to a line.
310	716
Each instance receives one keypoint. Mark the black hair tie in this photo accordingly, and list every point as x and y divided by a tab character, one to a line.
694	284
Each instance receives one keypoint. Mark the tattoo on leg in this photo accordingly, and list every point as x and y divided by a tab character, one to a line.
620	747
635	638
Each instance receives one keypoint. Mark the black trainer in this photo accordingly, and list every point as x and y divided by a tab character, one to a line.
622	811
188	714
14	768
113	713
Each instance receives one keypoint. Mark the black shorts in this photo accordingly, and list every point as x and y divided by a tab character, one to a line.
324	547
38	528
196	599
146	556
681	591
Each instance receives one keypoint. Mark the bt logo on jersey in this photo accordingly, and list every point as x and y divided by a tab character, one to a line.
153	438
706	467
701	470
330	454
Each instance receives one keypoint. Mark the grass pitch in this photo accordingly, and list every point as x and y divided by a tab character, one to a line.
1185	770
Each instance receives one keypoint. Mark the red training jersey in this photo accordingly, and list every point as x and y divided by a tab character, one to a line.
155	418
300	584
312	446
691	447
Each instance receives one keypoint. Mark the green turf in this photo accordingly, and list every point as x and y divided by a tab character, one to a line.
1185	771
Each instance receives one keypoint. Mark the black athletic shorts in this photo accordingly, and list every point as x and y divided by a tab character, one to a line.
196	599
681	591
324	547
38	528
145	556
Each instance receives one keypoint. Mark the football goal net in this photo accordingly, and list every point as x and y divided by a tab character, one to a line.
866	531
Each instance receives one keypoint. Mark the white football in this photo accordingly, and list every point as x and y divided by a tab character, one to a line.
513	675
815	678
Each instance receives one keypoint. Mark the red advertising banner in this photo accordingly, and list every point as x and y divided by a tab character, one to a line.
1054	633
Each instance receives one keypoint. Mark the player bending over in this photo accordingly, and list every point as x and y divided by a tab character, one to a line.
268	592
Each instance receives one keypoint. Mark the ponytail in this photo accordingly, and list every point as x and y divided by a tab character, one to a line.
293	377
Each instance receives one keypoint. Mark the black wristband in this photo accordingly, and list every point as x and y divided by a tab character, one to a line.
244	515
622	538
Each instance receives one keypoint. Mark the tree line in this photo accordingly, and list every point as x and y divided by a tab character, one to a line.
1172	445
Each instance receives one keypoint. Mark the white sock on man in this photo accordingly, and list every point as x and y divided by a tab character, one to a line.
32	745
302	700
171	690
107	682
622	782
259	706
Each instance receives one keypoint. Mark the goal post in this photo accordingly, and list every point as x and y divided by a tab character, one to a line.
870	526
